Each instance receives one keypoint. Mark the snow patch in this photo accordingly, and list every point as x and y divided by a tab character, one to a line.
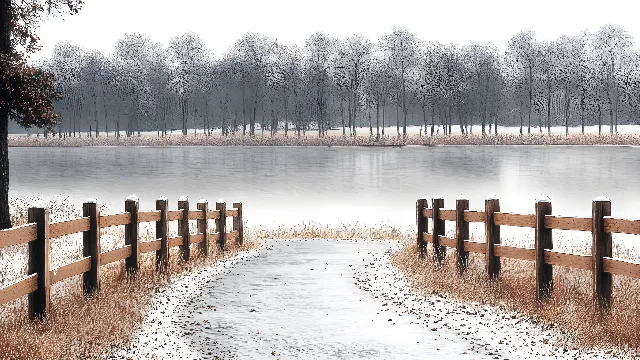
219	201
461	197
91	201
183	198
162	198
39	204
437	196
132	197
601	198
543	198
202	201
492	197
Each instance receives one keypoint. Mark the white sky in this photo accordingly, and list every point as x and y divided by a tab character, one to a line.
102	22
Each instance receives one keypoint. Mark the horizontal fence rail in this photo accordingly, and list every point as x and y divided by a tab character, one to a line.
601	225
38	232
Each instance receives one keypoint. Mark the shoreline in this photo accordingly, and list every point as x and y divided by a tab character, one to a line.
280	140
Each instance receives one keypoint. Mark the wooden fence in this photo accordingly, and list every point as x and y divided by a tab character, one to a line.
39	232
600	224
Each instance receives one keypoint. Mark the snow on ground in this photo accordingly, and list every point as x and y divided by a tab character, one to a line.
331	300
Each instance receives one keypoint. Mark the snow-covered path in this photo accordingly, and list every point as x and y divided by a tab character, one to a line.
325	299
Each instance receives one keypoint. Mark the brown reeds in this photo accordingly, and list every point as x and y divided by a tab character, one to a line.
328	140
570	308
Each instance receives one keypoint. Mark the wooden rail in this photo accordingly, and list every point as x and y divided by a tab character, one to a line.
599	262
39	231
17	235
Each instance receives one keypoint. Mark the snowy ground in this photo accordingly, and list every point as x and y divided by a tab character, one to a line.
326	299
391	130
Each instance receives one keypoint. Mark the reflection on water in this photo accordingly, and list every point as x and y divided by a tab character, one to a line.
291	185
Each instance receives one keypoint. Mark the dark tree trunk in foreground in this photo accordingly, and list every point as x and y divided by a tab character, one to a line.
5	49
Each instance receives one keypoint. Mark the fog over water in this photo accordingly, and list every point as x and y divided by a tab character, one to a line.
291	185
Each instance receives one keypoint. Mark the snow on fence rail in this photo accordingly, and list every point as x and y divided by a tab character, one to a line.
38	232
601	225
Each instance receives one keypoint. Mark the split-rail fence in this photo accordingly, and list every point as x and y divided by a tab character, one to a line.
601	225
39	232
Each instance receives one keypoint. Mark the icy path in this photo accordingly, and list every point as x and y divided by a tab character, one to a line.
324	300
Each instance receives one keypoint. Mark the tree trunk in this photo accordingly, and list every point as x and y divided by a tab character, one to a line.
398	119
530	99
566	110
378	119
549	107
95	111
384	107
450	120
350	116
404	106
433	118
5	49
370	127
616	112
520	122
344	132
184	115
424	119
244	113
599	120
582	112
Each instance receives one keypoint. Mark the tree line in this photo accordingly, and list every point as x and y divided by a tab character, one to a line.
259	84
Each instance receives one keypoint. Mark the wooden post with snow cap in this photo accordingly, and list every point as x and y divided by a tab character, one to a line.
39	299
162	255
203	226
601	248
221	223
422	223
439	252
544	241
91	246
462	233
237	223
492	236
131	230
183	227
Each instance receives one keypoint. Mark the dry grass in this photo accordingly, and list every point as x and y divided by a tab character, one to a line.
79	327
328	140
570	308
354	231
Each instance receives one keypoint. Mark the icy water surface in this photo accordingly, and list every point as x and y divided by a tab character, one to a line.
291	185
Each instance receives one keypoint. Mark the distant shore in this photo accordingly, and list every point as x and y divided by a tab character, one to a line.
312	139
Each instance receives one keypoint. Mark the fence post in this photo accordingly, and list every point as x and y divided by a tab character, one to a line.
237	223
601	247
462	233
421	225
203	226
221	222
162	255
39	300
183	227
439	252
492	236
91	246
131	230
544	241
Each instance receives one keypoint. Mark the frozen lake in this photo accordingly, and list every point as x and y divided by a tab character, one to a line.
283	186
